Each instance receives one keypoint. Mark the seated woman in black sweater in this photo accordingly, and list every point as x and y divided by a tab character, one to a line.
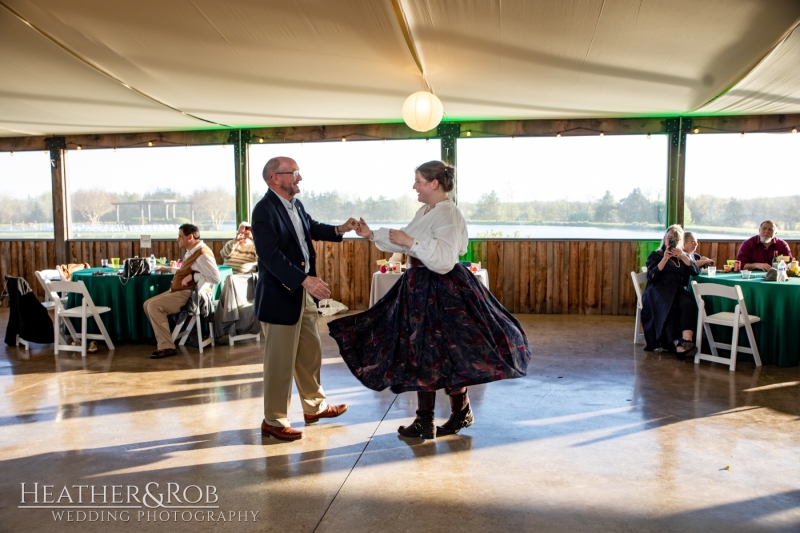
669	312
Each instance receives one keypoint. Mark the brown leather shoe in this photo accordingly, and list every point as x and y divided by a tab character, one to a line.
166	352
332	411
280	432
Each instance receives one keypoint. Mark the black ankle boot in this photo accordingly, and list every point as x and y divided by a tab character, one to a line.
422	426
460	415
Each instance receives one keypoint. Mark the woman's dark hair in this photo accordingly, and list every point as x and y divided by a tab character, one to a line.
190	229
436	170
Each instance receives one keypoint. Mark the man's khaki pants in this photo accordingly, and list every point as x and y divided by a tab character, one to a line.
158	308
292	351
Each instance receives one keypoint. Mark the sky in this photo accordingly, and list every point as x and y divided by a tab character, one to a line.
543	168
754	166
354	168
551	168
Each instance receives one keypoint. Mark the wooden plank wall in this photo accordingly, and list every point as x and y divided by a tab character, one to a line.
546	277
22	258
93	251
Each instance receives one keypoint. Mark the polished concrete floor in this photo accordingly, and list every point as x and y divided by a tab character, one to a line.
600	436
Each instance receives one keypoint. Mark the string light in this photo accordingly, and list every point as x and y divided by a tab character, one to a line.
696	130
384	141
469	134
742	134
261	139
115	149
187	146
344	139
558	135
648	135
12	153
794	130
79	147
602	134
512	137
427	141
224	145
149	143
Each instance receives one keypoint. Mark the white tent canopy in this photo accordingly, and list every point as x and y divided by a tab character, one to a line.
94	66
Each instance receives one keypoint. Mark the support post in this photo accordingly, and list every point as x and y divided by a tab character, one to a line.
241	161
448	133
676	168
57	147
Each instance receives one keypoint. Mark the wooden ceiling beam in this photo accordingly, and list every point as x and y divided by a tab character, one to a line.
364	132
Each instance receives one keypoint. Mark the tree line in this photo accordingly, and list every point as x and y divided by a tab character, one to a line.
214	207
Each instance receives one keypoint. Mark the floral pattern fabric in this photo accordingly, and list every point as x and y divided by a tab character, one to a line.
433	331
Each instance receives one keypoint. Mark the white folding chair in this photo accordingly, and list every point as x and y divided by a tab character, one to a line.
228	287
638	280
50	275
194	323
23	342
243	337
735	320
84	311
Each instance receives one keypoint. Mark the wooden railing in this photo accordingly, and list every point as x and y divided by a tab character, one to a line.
526	276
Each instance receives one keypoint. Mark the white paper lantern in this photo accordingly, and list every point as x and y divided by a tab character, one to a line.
422	111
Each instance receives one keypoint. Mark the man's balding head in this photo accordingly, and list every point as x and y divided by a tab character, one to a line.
279	176
274	165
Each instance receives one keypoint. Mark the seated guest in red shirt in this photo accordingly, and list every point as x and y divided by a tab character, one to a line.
757	253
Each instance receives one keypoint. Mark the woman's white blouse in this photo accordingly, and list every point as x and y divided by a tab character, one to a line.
440	237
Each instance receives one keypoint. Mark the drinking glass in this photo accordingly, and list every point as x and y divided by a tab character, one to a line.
731	262
745	274
115	262
104	263
712	271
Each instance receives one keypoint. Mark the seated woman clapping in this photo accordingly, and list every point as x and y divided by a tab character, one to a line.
669	312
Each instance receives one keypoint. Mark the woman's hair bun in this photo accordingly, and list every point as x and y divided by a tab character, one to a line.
437	170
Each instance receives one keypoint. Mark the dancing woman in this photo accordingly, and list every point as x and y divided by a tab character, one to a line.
438	327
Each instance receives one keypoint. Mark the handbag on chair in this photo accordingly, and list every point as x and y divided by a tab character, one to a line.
136	266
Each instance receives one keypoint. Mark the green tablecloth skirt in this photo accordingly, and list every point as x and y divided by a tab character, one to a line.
778	306
126	321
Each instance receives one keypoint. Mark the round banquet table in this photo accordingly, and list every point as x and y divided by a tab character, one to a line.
778	306
126	321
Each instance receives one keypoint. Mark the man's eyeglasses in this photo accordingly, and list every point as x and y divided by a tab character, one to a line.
295	173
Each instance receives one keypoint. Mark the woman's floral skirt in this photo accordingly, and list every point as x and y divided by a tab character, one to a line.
433	331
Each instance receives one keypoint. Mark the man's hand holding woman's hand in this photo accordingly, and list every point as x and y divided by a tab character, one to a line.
316	287
350	225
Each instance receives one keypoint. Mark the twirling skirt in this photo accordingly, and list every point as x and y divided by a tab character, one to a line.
433	331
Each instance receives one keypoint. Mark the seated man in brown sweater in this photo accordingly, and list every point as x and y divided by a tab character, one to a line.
198	269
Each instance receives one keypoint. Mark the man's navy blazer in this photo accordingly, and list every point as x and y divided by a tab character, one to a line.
281	265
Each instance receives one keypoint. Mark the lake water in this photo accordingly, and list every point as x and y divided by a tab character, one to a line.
161	231
574	232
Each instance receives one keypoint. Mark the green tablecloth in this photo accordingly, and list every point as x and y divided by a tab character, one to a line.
778	305
126	321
